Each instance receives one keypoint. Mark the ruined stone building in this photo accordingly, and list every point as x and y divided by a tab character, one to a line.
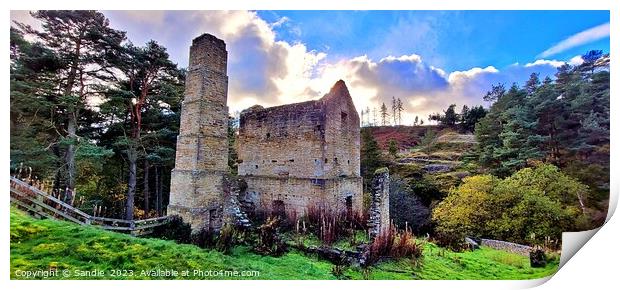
304	154
291	156
196	186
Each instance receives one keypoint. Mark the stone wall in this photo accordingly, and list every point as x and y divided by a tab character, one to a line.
302	154
196	189
299	193
282	141
342	133
379	215
507	246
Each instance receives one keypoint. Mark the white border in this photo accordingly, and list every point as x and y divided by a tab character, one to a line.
594	266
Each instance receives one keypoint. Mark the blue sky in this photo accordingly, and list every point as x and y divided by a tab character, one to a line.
453	40
429	59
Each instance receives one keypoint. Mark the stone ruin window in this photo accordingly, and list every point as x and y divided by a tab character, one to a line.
291	160
343	117
268	135
335	159
278	209
325	160
256	166
318	182
348	161
349	205
212	219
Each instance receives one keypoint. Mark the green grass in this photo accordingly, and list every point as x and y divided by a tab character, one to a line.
41	244
485	263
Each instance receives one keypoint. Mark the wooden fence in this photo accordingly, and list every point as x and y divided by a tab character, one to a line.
42	204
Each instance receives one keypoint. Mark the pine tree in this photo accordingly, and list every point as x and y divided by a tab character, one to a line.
145	70
394	111
384	114
393	148
399	109
532	84
83	40
33	97
589	64
374	116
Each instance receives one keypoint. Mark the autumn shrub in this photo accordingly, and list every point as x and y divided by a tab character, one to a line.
331	225
395	244
226	238
269	240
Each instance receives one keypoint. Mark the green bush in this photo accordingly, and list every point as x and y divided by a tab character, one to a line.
531	206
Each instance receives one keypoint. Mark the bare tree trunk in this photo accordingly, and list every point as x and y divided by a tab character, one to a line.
132	156
160	193
72	122
146	186
70	156
158	190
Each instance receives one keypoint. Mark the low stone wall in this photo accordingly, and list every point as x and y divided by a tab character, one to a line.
507	246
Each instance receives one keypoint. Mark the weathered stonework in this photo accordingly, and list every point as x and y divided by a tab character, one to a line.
507	246
196	189
233	213
379	215
290	156
297	155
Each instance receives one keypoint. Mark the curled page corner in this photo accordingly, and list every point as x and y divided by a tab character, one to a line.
572	242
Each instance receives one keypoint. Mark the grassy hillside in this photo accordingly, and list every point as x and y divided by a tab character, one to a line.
404	136
41	244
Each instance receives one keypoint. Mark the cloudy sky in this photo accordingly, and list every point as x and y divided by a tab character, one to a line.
428	59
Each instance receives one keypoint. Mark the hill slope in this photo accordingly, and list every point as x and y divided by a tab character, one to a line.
404	136
41	244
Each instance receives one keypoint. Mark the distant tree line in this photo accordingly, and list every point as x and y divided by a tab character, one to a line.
385	116
465	121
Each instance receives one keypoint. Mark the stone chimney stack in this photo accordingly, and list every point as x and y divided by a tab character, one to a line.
196	187
379	219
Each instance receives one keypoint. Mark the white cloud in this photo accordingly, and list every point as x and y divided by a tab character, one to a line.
577	60
553	63
280	21
586	36
411	58
458	76
574	61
